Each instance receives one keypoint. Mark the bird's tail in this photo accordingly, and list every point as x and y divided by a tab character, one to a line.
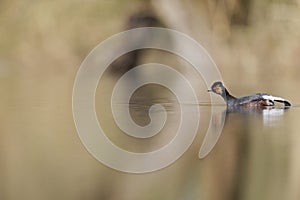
277	99
285	102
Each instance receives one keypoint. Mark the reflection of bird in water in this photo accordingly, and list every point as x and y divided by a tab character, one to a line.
256	101
143	18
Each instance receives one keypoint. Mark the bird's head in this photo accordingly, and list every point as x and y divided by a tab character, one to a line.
218	88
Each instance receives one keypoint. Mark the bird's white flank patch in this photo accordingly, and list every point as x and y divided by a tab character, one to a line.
272	98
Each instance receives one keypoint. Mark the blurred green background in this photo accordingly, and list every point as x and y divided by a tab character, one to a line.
255	44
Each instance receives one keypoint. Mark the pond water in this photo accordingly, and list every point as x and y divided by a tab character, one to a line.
255	156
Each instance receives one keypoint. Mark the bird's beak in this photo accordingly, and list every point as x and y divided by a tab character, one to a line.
209	90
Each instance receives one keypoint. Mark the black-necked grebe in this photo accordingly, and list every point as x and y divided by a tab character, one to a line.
254	100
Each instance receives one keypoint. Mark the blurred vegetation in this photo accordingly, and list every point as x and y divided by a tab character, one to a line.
42	44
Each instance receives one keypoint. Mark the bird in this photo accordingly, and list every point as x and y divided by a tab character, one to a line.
258	100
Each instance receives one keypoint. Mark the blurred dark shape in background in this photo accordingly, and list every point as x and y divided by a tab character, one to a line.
141	18
238	13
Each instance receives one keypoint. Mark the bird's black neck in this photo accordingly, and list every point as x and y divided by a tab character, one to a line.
227	96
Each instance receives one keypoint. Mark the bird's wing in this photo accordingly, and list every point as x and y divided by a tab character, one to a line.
251	98
263	97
